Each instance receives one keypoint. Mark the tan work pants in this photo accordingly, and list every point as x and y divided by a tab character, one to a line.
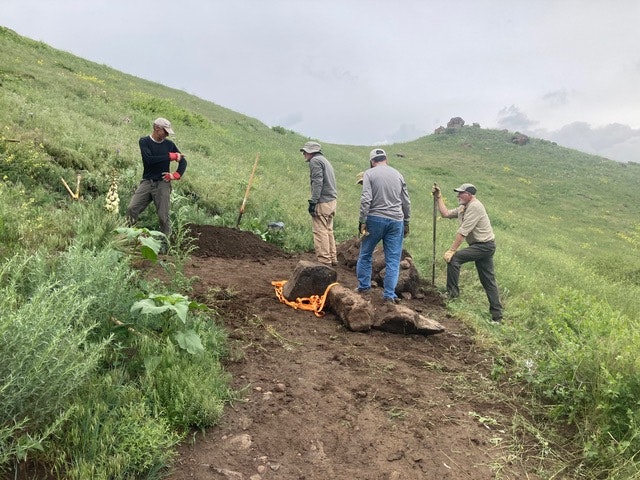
323	240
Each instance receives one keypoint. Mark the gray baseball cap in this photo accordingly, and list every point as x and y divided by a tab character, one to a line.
164	123
377	155
311	147
466	187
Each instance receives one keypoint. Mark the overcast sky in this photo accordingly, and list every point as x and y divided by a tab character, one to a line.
370	72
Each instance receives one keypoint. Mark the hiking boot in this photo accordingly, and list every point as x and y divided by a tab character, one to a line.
391	301
364	293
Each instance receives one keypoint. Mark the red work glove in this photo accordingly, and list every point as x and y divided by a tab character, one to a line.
174	156
170	176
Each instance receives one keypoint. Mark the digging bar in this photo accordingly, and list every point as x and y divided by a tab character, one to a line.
246	193
433	264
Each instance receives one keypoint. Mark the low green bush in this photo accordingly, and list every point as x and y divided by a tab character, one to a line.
580	355
112	434
188	390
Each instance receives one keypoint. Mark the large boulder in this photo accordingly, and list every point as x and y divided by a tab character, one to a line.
354	311
401	319
360	315
455	122
408	280
308	278
519	139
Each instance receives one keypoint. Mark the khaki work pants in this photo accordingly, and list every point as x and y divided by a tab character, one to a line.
324	242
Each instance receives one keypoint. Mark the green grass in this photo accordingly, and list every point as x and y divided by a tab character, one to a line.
568	262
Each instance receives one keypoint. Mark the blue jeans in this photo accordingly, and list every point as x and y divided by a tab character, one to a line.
391	232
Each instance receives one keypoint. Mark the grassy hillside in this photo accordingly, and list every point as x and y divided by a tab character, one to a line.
566	223
62	115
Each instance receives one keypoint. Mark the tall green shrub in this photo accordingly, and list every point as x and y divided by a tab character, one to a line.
45	358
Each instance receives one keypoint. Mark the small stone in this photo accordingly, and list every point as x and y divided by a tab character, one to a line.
241	442
392	457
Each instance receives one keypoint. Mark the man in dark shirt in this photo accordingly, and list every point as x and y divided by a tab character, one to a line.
157	154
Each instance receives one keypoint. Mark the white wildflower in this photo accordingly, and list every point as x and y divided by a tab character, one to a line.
113	199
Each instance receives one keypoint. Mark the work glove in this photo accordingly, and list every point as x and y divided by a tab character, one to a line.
435	191
312	208
448	255
406	228
362	229
174	156
168	177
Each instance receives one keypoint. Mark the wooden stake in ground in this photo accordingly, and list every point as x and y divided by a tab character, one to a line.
76	195
246	193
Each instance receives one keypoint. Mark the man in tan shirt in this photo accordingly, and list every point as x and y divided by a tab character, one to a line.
475	228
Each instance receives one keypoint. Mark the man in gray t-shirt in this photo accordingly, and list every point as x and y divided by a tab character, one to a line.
475	228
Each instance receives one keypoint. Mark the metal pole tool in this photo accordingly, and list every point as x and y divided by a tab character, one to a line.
433	264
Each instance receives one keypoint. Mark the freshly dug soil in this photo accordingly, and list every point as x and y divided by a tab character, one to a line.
320	402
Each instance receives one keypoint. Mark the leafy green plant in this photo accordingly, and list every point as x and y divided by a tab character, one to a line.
148	242
585	362
166	308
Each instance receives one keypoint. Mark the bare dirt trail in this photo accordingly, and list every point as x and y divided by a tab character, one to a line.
321	402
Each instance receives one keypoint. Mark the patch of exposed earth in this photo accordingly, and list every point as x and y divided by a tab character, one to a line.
320	402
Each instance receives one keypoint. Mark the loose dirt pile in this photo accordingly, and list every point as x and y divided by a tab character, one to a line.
319	402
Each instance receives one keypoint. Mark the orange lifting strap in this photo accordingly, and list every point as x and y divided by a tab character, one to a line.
314	303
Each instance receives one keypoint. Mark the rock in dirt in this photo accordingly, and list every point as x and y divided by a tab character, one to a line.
401	319
360	315
354	311
227	474
408	280
308	278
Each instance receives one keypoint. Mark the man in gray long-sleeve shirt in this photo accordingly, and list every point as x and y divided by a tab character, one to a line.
323	202
385	209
